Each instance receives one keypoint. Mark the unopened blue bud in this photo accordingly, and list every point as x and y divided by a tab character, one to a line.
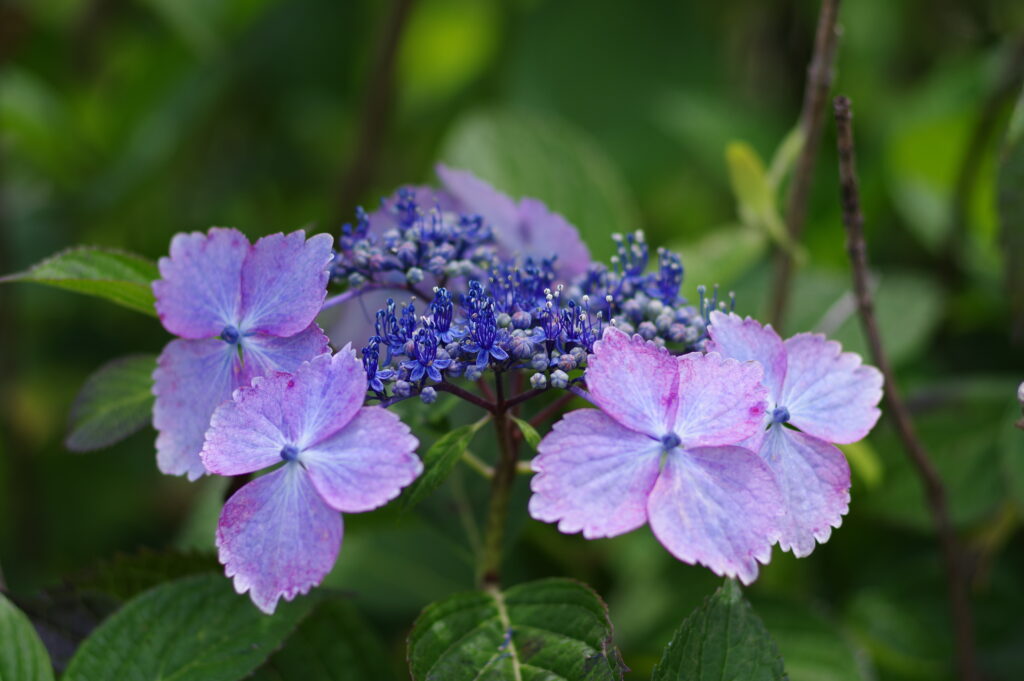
522	320
539	381
647	330
428	395
539	361
403	388
559	379
414	275
566	362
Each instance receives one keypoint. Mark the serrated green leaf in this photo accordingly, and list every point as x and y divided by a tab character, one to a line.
120	277
192	629
530	433
548	629
127	575
22	655
533	154
116	401
722	640
439	461
334	644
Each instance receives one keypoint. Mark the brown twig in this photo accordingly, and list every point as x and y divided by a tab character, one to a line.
551	410
935	492
376	111
812	122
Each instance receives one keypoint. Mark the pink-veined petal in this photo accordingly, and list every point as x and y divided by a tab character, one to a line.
542	233
264	354
366	464
746	340
814	479
284	282
199	292
829	393
721	400
633	381
192	377
277	538
593	475
717	506
474	195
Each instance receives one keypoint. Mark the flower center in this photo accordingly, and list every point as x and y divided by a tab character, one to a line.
780	415
670	441
290	453
230	335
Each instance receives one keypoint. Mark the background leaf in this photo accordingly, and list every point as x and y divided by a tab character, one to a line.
722	640
539	155
114	402
22	655
439	461
552	628
193	629
530	433
119	277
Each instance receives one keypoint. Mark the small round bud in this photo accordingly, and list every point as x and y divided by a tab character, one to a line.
566	362
522	320
473	372
428	395
539	381
647	330
654	308
539	361
414	275
355	280
559	379
503	320
403	388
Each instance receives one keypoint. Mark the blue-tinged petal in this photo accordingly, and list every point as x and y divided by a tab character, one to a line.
717	506
284	282
191	379
593	475
721	400
366	463
277	538
263	354
199	292
746	340
814	479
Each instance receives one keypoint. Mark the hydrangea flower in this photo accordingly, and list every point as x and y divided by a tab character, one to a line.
829	395
239	310
660	449
280	534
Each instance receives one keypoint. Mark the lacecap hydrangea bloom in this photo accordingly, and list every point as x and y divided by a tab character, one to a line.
662	449
239	311
817	395
280	534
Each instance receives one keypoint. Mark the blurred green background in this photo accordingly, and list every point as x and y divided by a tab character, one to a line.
125	121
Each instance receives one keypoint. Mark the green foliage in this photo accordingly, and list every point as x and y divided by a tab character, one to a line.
22	655
530	433
439	461
116	401
538	155
333	644
123	278
192	629
1011	213
552	628
721	640
126	575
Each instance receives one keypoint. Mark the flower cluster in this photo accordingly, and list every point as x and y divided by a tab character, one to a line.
708	427
515	314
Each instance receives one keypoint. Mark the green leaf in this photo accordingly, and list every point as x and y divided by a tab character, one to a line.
548	629
785	157
755	196
439	461
114	402
193	629
333	644
812	644
721	640
127	575
721	257
123	278
530	433
22	655
532	154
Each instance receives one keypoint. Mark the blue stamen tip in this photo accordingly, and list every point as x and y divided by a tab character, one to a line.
289	453
670	441
230	335
780	415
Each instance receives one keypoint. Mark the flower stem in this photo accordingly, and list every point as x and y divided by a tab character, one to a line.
934	488
501	490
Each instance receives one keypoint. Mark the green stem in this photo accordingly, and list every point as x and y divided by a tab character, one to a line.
501	491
